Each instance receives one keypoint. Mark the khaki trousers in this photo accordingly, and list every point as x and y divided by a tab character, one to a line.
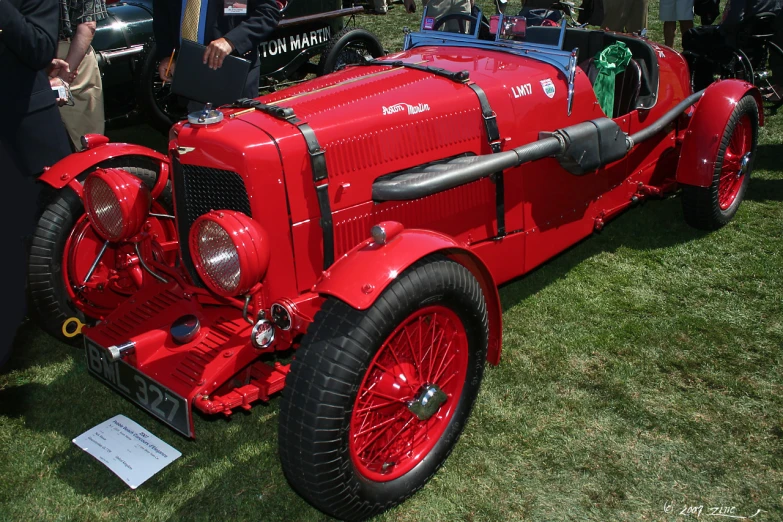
379	6
86	115
625	16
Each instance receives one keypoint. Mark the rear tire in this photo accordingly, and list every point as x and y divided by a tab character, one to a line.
349	46
50	301
337	439
711	207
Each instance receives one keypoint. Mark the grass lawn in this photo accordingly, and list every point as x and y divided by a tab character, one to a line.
641	374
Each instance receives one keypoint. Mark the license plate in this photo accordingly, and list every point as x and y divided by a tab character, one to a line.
123	378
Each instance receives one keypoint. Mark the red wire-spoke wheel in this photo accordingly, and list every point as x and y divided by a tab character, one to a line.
98	280
376	399
711	207
406	399
736	162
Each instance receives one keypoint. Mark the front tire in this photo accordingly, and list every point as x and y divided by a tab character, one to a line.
355	434
711	207
55	265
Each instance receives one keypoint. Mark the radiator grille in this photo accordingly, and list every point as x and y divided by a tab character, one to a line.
198	190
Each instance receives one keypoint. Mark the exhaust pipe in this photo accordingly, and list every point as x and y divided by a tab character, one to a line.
105	57
580	149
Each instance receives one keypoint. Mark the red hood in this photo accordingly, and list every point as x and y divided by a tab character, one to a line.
372	120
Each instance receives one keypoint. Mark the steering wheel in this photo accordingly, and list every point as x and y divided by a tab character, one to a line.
465	17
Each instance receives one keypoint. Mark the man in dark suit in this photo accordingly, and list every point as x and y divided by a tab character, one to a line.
32	137
31	129
224	26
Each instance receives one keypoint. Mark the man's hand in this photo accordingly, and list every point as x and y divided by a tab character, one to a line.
216	52
164	65
59	68
410	6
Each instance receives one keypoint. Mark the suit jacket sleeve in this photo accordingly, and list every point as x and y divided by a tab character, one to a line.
164	28
262	19
32	34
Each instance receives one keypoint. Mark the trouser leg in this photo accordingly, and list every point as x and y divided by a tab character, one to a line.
19	212
775	58
637	16
86	116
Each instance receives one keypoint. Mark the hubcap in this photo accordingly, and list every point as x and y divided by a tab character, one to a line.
409	394
116	274
428	402
736	163
744	164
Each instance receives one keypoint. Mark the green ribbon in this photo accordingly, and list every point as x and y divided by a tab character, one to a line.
610	62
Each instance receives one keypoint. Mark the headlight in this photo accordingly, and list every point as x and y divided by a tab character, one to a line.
117	202
230	251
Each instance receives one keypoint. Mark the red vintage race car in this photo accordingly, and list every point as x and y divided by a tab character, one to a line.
366	218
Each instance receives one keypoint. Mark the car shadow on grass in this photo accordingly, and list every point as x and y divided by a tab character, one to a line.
31	345
763	188
654	224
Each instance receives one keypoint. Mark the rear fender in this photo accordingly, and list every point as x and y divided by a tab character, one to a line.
69	168
703	135
362	274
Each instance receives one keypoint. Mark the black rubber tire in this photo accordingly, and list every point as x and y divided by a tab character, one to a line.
321	388
700	204
50	304
351	45
158	114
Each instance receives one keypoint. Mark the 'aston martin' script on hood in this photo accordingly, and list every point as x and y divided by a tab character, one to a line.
412	109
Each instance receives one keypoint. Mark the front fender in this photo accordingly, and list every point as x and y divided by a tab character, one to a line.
69	168
362	274
703	135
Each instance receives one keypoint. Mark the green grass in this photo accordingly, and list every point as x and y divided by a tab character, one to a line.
640	368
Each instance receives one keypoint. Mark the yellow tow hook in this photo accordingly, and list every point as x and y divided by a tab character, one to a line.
76	331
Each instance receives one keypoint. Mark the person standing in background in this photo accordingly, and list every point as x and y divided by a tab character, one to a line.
625	16
78	21
32	137
672	11
222	29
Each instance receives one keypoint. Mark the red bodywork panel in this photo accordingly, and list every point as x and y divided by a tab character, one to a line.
369	122
70	167
702	139
193	370
362	274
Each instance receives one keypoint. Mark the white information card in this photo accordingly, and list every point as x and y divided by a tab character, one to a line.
127	449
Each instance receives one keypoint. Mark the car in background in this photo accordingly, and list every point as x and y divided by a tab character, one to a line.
125	49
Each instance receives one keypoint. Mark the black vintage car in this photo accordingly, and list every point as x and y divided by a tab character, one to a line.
309	29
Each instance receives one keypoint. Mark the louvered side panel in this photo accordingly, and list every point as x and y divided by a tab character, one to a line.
462	212
426	138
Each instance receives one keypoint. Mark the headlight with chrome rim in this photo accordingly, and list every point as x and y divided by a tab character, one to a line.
117	202
230	251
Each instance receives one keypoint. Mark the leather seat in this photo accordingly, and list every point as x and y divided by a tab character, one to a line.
627	85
